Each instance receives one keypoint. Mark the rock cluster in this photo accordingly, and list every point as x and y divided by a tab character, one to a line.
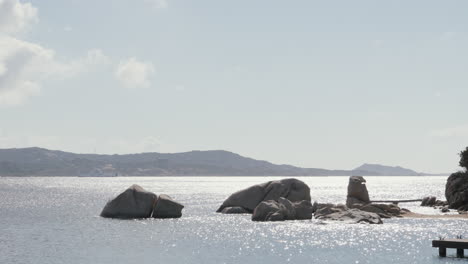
431	201
358	198
289	199
245	201
136	202
456	191
281	210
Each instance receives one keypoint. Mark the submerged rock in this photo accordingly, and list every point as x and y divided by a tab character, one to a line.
135	202
383	210
292	189
456	191
281	210
357	192
321	209
445	209
352	216
165	207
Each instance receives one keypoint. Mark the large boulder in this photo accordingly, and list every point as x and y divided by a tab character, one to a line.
281	210
165	207
456	191
357	192
292	189
135	202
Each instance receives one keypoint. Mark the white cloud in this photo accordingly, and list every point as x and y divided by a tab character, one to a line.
133	73
24	66
93	58
158	3
16	16
451	132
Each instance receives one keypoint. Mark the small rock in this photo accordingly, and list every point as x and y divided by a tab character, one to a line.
234	210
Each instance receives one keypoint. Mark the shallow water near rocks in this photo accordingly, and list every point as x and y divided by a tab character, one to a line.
56	220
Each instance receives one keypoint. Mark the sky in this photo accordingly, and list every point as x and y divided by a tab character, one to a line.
321	84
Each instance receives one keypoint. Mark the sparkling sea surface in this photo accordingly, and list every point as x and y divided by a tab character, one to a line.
56	220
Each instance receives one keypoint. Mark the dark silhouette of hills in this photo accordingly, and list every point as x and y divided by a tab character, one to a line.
44	162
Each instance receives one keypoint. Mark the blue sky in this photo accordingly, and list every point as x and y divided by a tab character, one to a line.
329	84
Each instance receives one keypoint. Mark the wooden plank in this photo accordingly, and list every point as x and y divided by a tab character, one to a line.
397	201
451	243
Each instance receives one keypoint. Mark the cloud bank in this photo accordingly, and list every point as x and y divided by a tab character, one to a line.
132	73
15	16
24	66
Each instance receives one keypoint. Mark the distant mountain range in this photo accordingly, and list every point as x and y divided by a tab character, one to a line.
44	162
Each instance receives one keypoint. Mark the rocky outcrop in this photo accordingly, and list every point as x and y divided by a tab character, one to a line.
292	189
165	207
456	191
353	216
357	192
281	210
340	212
358	197
136	202
431	201
383	210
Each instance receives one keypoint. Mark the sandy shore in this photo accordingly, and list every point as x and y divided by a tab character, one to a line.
442	216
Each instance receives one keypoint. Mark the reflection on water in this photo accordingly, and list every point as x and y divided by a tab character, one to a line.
55	220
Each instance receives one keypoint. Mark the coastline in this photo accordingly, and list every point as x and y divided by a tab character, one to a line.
428	216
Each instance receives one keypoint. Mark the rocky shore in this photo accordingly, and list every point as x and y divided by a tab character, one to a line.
290	199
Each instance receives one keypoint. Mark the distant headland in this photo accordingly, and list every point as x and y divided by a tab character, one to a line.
43	162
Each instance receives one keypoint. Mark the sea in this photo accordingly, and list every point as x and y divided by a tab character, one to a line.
48	220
